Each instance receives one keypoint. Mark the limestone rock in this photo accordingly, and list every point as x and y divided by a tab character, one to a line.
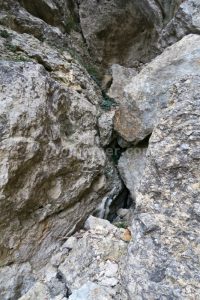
148	92
110	39
13	283
163	258
93	263
37	292
90	291
131	166
16	17
58	13
54	22
106	124
51	158
185	21
121	76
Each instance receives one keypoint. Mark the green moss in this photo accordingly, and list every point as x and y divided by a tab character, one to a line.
11	47
94	73
121	225
107	102
4	34
70	24
22	58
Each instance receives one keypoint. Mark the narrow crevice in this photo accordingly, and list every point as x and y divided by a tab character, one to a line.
124	200
144	142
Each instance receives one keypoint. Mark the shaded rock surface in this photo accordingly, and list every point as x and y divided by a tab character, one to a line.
120	78
163	258
111	40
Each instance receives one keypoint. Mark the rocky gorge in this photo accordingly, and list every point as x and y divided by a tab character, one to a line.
99	149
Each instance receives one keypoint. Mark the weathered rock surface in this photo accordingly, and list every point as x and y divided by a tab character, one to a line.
13	283
106	124
58	13
185	21
163	257
111	40
86	267
53	170
53	21
131	167
148	92
121	76
96	254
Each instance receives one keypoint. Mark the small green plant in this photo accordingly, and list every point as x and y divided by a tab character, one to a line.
70	24
4	34
107	102
121	225
12	47
22	58
94	73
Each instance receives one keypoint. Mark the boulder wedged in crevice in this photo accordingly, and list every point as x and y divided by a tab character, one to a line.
148	93
131	168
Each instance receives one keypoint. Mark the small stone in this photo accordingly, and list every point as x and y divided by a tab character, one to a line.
122	212
126	237
99	225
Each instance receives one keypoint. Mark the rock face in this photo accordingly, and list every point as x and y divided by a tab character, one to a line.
53	170
131	166
105	123
148	92
163	258
111	40
85	267
78	100
97	254
58	13
185	21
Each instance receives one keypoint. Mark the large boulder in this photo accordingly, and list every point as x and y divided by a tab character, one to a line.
53	170
163	257
149	92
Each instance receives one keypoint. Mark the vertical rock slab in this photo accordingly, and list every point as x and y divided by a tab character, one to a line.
163	258
131	167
